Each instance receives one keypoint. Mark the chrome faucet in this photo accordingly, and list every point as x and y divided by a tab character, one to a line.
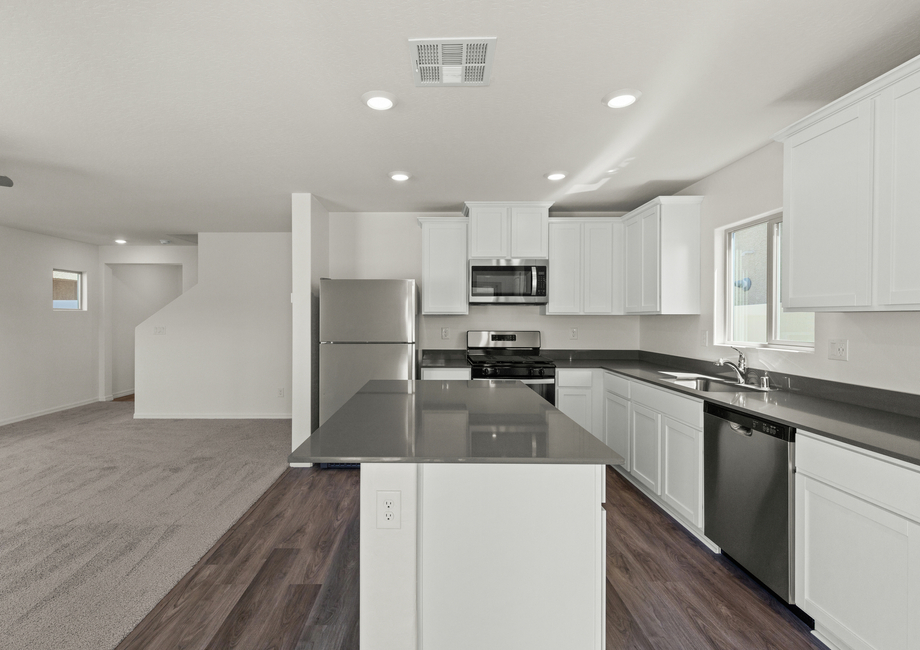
740	368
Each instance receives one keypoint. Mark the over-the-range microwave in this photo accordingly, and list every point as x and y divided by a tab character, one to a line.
511	281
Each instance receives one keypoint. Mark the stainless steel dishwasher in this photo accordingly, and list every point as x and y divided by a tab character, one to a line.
749	495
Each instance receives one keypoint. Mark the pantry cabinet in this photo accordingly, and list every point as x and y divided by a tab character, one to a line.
445	286
663	256
850	200
585	268
857	544
501	230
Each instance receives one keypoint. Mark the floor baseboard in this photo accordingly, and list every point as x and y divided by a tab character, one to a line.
56	409
212	416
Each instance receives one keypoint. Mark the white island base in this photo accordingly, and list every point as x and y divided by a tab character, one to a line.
486	556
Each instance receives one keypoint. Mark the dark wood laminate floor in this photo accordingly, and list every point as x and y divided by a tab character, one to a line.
285	577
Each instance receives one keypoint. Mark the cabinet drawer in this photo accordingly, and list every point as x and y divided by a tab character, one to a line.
684	409
574	378
616	384
887	482
445	373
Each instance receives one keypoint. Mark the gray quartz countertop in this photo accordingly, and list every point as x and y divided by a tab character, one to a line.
451	422
444	359
887	433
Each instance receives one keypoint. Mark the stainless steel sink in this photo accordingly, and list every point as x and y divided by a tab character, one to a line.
714	385
707	384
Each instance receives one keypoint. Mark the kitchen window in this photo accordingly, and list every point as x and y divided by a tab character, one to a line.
753	299
66	290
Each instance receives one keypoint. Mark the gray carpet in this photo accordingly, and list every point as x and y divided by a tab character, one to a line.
101	514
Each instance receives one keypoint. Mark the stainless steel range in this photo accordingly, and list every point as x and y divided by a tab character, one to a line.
511	355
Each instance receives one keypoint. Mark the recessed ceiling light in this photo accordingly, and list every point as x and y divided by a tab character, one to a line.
399	176
621	98
120	241
555	176
379	100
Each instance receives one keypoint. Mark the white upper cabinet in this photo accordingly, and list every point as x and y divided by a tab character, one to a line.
445	287
508	229
851	198
585	268
663	256
898	263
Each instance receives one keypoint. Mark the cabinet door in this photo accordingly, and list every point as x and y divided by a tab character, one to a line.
576	403
529	232
616	425
444	268
645	446
827	219
446	373
489	233
642	262
683	470
856	568
597	264
896	259
564	268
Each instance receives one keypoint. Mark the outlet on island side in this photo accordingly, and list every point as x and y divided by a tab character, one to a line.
389	510
280	392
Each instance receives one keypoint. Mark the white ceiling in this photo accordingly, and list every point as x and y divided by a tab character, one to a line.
141	118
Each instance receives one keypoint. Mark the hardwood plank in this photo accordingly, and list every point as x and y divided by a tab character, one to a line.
286	577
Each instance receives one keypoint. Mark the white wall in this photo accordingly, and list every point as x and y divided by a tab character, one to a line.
48	359
884	348
226	351
185	257
389	245
138	292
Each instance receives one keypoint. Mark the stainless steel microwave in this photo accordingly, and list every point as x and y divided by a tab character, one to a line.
514	281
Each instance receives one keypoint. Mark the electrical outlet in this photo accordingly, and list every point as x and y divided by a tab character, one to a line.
389	510
573	333
445	332
159	330
837	350
280	392
704	338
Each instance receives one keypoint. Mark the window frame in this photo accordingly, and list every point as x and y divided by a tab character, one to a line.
81	291
774	220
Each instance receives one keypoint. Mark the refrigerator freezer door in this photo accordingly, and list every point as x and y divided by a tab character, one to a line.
367	311
345	368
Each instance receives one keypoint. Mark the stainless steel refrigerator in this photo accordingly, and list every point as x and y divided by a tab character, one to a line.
366	331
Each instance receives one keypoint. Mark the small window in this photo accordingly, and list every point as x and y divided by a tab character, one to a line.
66	289
754	308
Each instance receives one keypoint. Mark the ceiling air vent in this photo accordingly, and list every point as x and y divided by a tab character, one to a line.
452	61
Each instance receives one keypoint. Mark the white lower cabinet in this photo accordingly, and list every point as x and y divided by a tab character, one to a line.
857	545
616	425
576	403
446	373
660	434
574	396
682	471
645	444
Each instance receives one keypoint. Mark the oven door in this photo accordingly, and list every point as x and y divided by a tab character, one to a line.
545	387
516	281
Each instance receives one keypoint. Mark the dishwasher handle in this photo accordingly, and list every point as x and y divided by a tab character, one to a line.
739	428
746	424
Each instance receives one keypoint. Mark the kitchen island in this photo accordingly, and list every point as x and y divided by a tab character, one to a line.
482	522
